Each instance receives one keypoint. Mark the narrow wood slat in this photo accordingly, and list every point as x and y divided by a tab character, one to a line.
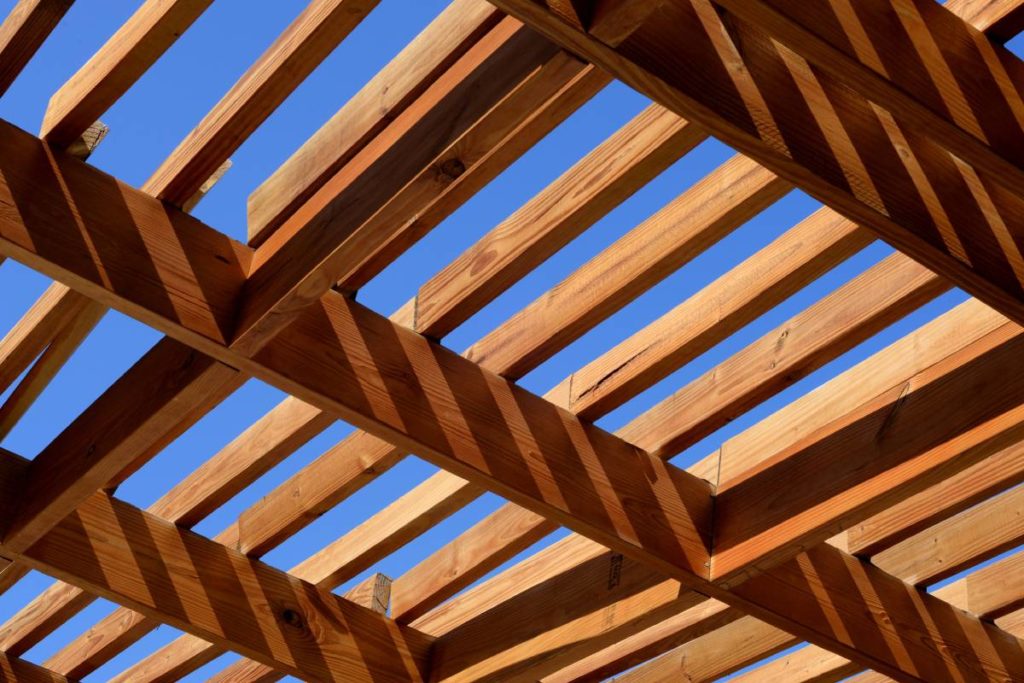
388	94
685	228
953	545
300	48
28	24
115	67
54	311
734	299
48	364
613	171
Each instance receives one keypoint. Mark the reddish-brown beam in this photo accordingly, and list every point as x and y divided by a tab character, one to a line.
868	164
133	557
27	25
673	507
888	448
130	422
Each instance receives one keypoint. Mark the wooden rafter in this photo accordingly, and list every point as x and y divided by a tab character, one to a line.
875	165
899	114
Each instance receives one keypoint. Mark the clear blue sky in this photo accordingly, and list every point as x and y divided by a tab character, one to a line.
172	97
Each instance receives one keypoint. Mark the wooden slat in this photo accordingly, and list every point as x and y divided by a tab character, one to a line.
116	66
736	298
25	28
379	102
48	364
54	311
711	656
958	492
364	215
851	314
572	597
950	547
300	48
826	138
711	209
617	168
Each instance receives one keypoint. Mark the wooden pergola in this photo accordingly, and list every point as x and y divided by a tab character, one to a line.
825	523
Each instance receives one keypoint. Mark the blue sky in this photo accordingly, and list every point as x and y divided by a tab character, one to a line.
172	97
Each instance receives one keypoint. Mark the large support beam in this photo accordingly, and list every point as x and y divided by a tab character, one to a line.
489	428
133	557
958	215
393	382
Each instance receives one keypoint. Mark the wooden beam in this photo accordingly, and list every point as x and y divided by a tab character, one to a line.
279	433
116	66
390	92
867	163
306	42
28	24
988	592
347	333
892	446
133	557
370	204
604	178
15	670
1000	21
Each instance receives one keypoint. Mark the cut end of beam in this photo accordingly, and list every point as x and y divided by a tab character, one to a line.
84	146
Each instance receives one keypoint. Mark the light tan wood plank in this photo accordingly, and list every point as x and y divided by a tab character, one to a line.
300	48
28	24
116	66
